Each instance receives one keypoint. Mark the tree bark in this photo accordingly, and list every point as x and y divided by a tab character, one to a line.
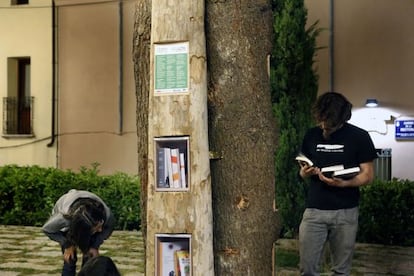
141	56
173	116
242	131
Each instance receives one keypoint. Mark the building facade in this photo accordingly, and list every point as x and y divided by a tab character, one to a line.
67	84
67	78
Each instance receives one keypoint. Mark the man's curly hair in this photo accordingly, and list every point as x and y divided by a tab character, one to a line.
332	108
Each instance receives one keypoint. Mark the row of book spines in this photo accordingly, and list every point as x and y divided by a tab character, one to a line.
171	168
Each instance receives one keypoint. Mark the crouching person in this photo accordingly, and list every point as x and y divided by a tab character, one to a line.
80	219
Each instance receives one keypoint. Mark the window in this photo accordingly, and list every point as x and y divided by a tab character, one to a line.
17	106
382	165
19	2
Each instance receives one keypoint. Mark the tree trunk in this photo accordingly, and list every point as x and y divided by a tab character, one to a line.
141	55
242	131
176	114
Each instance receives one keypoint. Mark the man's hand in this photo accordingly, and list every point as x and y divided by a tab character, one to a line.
307	171
334	181
69	253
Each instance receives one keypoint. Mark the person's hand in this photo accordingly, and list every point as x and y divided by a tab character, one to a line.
93	252
333	181
69	253
307	171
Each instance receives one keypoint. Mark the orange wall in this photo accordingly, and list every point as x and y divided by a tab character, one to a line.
90	128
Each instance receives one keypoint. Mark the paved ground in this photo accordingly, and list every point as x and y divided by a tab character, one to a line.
27	251
369	259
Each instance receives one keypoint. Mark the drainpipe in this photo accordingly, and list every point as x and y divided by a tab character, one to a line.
121	68
52	141
331	46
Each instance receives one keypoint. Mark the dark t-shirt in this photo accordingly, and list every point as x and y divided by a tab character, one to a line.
349	146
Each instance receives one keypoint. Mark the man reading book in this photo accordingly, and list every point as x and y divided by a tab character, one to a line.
331	213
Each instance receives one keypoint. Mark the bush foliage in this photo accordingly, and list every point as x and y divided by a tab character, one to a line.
28	194
386	213
294	88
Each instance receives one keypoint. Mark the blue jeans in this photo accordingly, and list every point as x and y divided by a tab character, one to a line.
339	228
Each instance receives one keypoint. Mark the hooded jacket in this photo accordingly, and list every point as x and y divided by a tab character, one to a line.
57	226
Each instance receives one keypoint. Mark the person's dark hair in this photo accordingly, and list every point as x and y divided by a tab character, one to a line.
99	266
83	214
332	108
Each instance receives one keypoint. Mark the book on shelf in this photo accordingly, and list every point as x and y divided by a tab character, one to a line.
175	166
168	166
162	169
340	172
182	263
303	160
171	170
182	171
166	256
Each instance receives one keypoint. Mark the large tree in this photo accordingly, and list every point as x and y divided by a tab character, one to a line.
243	134
141	57
241	130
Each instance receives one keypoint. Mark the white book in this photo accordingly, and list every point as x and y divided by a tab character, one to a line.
347	173
182	171
330	169
303	160
340	172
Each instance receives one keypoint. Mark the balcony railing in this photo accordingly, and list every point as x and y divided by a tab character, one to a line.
18	115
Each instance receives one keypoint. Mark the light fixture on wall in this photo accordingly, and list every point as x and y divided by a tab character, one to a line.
371	103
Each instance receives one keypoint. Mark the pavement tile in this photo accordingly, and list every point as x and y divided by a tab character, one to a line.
27	251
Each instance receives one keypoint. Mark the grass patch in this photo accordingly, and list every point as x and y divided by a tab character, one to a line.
286	258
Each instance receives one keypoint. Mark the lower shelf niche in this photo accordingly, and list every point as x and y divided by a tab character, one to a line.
173	254
171	163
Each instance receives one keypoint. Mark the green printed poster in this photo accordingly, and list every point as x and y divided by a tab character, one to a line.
171	68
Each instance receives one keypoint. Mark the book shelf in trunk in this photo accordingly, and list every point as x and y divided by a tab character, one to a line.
179	223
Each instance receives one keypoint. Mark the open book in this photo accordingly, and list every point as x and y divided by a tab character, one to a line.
340	172
330	171
303	160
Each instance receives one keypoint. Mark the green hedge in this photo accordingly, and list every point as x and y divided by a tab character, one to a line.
27	194
387	213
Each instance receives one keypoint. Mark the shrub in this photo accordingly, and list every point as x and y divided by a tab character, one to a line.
28	194
294	86
386	213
